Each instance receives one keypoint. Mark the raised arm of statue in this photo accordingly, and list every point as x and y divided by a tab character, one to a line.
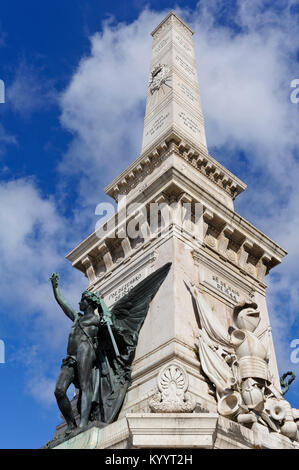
68	310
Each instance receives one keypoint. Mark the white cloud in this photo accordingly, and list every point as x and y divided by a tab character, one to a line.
29	90
33	241
245	87
245	81
104	104
42	389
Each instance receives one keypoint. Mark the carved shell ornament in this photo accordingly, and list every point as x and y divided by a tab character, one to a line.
172	396
173	383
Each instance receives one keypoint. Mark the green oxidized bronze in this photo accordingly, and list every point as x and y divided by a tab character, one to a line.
285	385
101	349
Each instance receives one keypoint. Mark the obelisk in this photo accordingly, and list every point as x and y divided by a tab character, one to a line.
173	98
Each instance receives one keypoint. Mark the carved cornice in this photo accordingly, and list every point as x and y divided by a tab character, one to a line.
226	238
194	155
169	21
232	244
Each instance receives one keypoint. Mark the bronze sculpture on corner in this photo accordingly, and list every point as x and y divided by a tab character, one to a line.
101	349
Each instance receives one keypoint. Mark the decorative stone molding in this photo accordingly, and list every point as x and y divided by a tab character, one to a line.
173	431
229	239
172	20
90	272
262	266
176	431
154	157
105	253
247	255
125	243
207	216
224	239
184	29
211	241
172	396
162	28
212	231
135	271
244	253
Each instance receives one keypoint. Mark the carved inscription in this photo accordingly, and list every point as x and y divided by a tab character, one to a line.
185	66
188	122
183	43
187	92
158	123
161	45
182	29
124	289
163	28
225	288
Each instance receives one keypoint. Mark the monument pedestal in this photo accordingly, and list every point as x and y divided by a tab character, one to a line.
176	431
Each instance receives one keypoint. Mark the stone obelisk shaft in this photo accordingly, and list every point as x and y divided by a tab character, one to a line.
173	98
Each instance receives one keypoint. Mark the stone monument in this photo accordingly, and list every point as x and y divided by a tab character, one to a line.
204	373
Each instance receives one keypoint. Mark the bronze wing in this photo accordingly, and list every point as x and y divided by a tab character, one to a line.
128	315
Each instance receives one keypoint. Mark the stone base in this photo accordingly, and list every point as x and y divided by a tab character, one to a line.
174	430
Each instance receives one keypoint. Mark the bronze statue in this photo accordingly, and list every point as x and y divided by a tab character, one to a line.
101	348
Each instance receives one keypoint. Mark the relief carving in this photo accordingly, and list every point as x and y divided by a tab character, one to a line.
236	362
172	397
159	77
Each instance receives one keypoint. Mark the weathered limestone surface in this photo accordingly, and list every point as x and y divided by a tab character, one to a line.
177	430
173	100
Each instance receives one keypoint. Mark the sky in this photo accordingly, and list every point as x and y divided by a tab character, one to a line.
75	75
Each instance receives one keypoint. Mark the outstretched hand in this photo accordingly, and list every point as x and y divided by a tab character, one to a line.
103	321
54	279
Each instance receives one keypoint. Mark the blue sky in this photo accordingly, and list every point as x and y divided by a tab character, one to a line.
76	74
